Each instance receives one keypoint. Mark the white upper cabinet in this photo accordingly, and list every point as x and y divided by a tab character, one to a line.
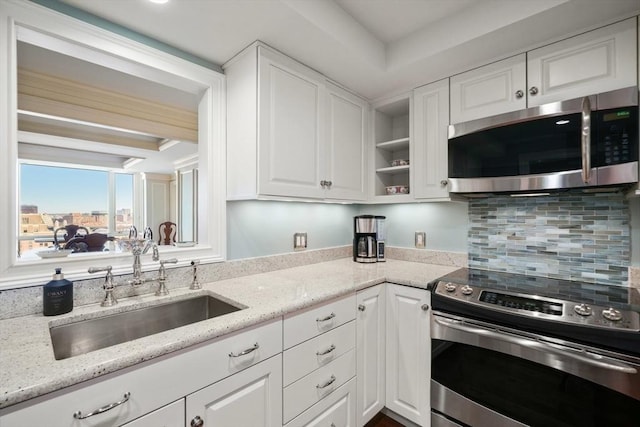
346	138
290	132
430	123
486	91
596	61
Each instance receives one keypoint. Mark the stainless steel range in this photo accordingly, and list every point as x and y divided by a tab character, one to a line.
513	350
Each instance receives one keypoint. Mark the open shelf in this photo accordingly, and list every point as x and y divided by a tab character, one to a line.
394	145
392	142
392	170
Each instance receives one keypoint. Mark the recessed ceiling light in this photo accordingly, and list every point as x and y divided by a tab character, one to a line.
159	1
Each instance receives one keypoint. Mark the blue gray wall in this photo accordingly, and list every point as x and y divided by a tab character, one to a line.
257	228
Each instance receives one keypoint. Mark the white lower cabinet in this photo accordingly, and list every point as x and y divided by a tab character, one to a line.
370	346
171	415
408	348
336	410
249	398
144	388
317	385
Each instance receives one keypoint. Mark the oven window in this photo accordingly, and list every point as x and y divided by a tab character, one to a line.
529	392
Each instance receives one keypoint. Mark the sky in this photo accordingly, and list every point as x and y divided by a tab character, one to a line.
64	190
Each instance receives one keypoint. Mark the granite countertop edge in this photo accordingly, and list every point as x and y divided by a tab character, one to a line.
28	368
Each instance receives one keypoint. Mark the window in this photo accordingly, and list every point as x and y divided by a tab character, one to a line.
54	196
29	23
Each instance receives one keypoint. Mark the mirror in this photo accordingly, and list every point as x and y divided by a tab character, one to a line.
103	139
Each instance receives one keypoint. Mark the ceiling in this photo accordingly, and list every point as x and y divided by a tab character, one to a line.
377	48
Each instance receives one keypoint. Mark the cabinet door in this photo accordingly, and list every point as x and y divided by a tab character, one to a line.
346	135
430	124
486	91
171	415
597	61
370	348
290	135
252	397
337	409
408	353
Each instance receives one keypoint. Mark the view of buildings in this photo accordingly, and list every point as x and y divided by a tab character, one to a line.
37	229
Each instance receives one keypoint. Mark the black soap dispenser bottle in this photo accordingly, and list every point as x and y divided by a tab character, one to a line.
58	295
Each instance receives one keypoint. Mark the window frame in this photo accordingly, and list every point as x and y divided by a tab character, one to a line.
85	41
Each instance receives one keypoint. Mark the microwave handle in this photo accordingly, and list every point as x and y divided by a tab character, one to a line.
586	140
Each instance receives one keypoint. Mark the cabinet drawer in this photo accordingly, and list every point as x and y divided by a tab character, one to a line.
318	319
320	383
338	409
171	415
150	385
319	351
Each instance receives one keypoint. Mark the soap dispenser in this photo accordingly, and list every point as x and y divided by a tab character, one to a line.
57	295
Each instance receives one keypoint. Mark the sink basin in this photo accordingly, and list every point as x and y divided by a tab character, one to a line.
88	335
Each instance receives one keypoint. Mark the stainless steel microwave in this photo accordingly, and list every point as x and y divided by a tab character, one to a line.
584	142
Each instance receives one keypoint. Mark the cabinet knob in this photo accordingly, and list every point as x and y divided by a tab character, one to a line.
361	307
519	94
329	183
533	90
425	307
323	183
197	422
444	182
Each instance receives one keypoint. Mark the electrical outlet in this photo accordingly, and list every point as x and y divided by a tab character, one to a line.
421	239
299	241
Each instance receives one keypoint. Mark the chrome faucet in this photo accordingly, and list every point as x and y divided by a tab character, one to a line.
137	251
162	277
109	286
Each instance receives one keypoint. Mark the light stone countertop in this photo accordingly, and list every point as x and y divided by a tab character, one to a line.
28	368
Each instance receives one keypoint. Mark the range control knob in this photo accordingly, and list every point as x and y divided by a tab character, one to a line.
449	287
583	310
466	290
612	314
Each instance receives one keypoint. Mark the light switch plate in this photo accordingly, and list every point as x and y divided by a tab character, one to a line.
299	241
421	239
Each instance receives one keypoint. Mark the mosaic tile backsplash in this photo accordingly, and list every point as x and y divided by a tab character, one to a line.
573	236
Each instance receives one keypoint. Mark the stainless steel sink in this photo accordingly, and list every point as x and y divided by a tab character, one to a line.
88	335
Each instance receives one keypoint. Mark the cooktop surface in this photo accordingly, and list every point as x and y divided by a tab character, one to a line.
596	314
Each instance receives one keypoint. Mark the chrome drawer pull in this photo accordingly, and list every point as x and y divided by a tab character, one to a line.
324	319
245	352
327	351
78	414
327	384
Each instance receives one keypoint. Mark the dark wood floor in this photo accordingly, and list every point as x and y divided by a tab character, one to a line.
381	420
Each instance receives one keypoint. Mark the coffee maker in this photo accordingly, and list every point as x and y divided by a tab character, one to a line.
367	238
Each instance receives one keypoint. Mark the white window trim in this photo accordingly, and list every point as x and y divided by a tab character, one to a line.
55	31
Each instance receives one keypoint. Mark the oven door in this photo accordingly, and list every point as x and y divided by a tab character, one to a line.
488	375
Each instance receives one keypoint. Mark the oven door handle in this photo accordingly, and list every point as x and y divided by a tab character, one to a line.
537	344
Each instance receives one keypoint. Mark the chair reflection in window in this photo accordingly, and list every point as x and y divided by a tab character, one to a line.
70	231
167	231
92	242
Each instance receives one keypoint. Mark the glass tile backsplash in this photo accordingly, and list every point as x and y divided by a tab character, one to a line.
573	236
